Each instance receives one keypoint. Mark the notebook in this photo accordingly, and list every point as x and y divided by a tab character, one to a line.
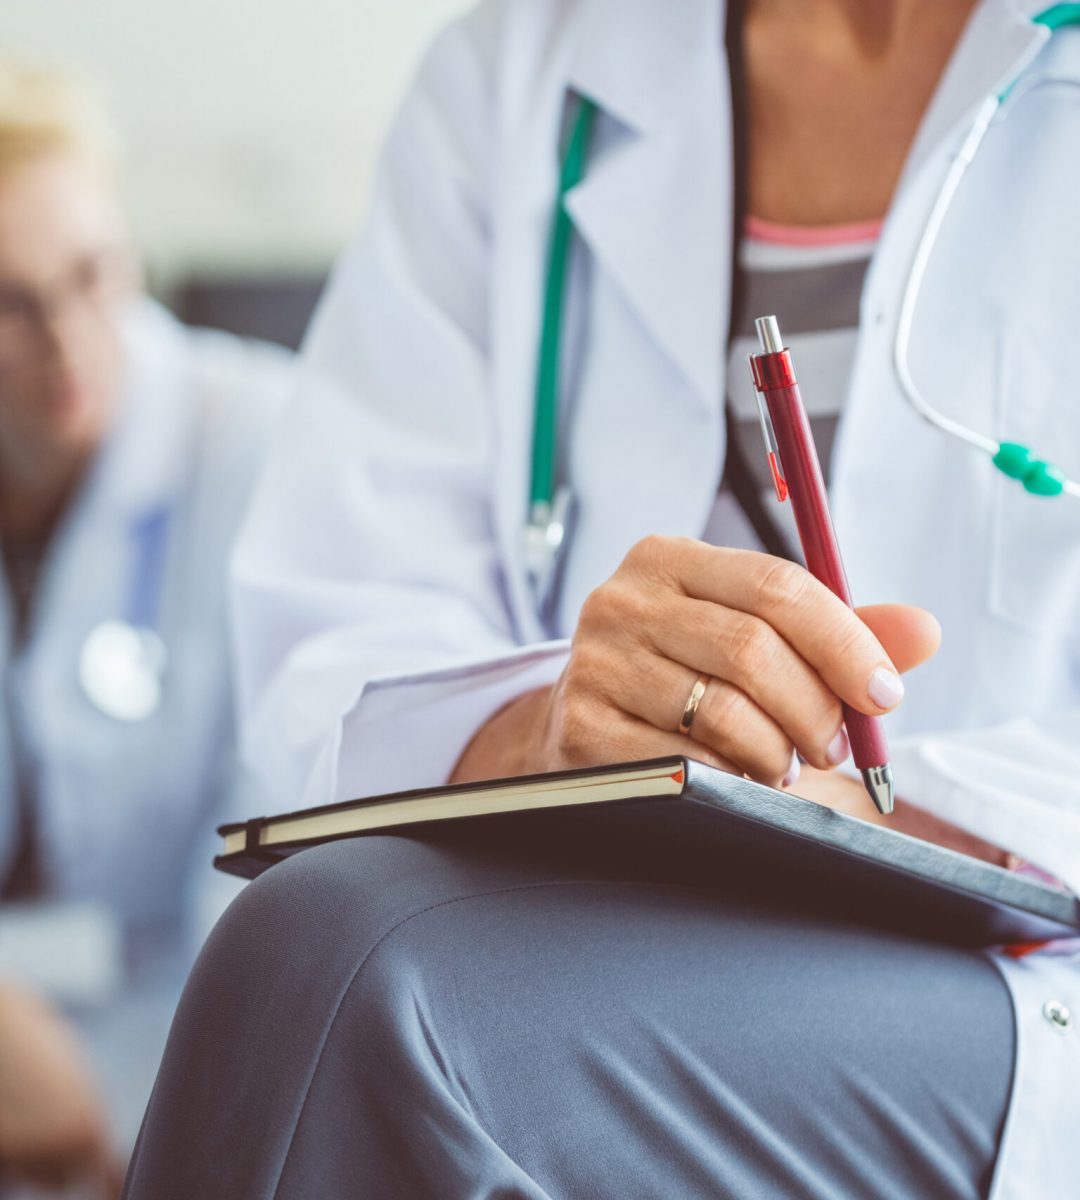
786	847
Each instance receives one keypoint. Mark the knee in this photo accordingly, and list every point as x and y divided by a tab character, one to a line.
331	900
286	951
266	988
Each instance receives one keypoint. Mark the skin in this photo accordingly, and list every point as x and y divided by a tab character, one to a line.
836	91
65	277
780	649
52	1130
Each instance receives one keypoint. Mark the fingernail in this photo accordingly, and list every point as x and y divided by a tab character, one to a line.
793	772
885	688
839	748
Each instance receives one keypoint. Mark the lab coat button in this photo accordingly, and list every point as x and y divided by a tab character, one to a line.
1058	1015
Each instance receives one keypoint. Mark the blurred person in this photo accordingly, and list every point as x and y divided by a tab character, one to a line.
127	447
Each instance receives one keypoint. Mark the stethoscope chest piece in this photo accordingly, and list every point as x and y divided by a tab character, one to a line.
122	670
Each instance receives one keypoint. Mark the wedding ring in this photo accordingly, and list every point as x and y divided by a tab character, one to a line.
690	711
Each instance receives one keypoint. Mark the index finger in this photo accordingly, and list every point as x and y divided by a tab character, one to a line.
814	621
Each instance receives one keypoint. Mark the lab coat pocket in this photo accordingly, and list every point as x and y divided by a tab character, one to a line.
1035	540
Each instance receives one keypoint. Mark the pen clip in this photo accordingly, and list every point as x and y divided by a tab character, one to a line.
772	450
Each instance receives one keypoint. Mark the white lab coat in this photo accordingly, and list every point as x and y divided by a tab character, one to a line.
383	608
123	810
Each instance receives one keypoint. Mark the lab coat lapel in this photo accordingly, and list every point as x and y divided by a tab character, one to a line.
664	243
999	39
653	214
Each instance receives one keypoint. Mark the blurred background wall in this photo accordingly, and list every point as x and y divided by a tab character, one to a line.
251	129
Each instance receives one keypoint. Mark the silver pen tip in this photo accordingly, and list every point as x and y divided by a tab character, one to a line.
768	331
879	783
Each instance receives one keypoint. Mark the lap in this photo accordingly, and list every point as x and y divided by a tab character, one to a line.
446	1015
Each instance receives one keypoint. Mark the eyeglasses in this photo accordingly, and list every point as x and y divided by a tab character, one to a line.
89	286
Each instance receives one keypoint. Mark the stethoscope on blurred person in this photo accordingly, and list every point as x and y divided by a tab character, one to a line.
550	510
123	661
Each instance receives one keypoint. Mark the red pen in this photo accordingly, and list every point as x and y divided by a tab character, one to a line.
797	475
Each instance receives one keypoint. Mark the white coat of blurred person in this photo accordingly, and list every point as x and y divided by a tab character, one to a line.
128	445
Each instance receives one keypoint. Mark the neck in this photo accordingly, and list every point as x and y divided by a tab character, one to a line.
872	27
36	487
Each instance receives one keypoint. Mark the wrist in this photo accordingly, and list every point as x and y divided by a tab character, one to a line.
509	743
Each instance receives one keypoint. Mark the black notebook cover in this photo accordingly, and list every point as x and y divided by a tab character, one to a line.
728	832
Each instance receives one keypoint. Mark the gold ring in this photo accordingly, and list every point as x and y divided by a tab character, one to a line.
690	711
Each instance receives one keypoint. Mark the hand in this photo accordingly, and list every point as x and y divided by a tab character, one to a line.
52	1124
781	652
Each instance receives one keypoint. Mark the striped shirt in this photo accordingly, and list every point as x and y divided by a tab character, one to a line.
812	280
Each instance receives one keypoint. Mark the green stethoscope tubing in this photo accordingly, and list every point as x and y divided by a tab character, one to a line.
546	427
1012	458
1058	16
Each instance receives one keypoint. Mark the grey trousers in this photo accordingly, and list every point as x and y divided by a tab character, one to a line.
536	1010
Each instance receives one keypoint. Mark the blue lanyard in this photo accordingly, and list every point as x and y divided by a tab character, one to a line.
151	536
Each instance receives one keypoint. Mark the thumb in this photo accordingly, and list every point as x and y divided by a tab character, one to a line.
909	635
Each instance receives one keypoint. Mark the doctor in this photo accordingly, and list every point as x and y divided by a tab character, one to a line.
127	446
388	587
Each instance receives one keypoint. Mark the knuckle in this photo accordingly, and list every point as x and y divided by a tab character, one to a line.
822	727
815	734
651	554
727	713
654	545
582	672
594	614
617	607
627	604
578	736
753	646
773	773
781	585
771	764
734	728
852	641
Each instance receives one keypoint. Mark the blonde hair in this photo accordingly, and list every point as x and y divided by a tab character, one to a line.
46	111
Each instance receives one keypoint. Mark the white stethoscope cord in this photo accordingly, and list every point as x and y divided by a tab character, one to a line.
1037	472
901	346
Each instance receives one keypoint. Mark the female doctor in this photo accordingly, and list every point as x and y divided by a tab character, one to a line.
127	445
401	624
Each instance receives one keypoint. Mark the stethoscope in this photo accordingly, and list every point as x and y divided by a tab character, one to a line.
551	503
123	661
